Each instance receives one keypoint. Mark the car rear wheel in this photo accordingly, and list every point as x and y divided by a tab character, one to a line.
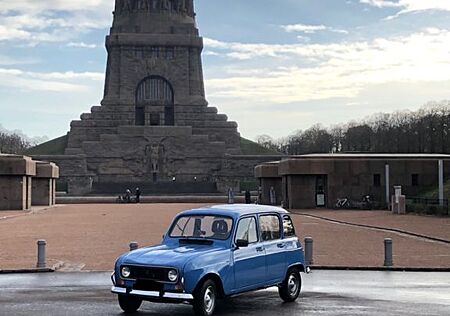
289	290
205	299
129	304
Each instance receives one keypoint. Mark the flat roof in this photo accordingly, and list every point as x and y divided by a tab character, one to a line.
235	210
374	155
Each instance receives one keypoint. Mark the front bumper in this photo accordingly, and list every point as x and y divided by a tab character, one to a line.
153	294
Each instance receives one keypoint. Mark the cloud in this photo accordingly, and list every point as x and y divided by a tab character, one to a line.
32	22
305	72
81	45
51	82
408	6
10	61
310	29
381	3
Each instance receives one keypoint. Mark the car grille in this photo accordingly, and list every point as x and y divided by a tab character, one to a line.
148	285
149	273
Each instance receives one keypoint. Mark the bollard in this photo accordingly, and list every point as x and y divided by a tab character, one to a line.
41	253
133	246
388	262
308	251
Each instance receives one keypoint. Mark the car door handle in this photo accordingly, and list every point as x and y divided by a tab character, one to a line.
281	245
259	249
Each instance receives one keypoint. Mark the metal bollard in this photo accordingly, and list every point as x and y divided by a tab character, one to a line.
41	253
388	261
309	251
133	246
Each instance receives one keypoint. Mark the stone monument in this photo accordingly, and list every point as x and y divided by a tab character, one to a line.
154	123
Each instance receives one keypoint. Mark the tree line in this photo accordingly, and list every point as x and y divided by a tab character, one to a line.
424	131
13	143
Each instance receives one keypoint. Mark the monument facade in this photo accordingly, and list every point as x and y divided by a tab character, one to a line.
154	123
154	128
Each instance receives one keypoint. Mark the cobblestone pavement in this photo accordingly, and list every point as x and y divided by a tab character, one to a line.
90	237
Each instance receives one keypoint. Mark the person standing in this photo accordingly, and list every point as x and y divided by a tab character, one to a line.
138	195
273	197
128	196
230	196
248	197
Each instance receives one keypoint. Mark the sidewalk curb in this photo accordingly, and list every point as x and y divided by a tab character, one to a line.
381	269
27	271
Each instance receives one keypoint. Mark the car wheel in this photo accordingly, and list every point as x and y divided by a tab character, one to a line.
129	304
289	290
205	299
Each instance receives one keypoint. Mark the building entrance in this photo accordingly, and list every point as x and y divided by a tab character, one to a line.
321	190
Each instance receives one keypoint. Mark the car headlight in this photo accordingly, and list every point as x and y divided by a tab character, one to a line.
126	272
172	275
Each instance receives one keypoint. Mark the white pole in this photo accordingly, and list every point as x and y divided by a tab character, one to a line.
441	182
388	198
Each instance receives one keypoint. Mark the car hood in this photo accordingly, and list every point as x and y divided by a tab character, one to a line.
168	256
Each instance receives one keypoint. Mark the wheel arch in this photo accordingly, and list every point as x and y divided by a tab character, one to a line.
216	279
300	266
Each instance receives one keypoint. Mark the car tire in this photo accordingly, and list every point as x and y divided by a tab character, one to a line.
129	304
290	289
205	299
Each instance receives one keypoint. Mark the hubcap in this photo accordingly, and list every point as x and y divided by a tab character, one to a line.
293	284
209	300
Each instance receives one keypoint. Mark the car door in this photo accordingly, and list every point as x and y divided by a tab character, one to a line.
274	246
249	262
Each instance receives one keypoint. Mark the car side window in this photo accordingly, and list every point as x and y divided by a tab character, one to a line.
246	230
288	227
270	227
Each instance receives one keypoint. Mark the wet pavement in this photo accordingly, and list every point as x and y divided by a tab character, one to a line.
324	293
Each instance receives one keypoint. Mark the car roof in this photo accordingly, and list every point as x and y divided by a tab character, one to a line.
235	210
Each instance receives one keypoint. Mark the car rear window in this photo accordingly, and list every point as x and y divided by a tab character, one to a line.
288	227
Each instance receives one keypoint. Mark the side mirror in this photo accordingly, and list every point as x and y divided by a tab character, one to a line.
241	243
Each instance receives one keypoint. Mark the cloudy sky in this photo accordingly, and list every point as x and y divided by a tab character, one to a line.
272	66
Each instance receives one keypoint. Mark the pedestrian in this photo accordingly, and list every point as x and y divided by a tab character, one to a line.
138	195
273	197
248	197
128	196
259	199
230	196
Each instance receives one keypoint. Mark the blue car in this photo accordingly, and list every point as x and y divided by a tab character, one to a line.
212	253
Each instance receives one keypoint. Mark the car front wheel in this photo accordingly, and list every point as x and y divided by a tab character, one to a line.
129	304
205	299
289	290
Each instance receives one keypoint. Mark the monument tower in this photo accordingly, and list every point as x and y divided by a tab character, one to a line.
154	123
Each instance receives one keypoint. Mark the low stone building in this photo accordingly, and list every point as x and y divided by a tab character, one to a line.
25	182
312	181
43	189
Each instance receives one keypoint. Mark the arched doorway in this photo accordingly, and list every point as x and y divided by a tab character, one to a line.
155	102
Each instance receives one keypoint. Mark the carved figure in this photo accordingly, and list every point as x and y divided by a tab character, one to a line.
164	5
126	5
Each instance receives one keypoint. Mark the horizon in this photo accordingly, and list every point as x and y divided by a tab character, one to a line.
273	67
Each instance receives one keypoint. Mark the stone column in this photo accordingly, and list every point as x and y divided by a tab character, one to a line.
43	191
15	182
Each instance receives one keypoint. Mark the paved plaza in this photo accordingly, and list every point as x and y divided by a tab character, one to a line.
91	237
347	293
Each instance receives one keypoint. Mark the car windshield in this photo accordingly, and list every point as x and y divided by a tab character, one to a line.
199	226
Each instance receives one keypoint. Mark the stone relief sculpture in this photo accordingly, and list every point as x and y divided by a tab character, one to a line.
180	6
